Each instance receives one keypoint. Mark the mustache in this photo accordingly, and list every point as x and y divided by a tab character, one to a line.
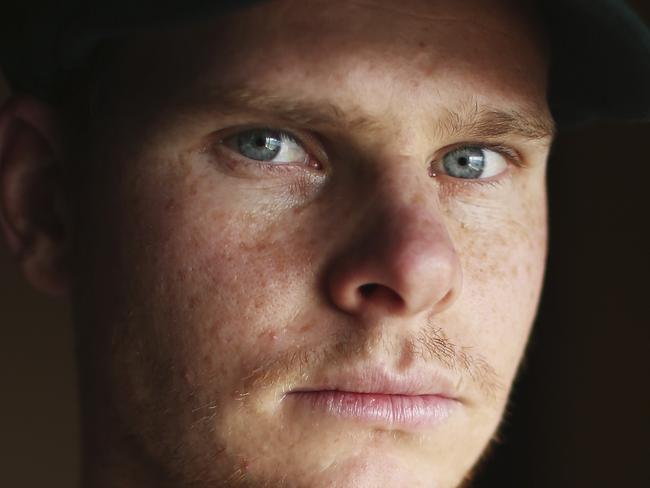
429	346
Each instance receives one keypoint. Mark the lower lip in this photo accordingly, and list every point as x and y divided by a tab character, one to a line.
378	408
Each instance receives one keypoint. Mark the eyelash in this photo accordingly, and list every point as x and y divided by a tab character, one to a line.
234	159
504	150
511	155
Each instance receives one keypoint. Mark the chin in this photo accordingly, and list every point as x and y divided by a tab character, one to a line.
373	470
371	467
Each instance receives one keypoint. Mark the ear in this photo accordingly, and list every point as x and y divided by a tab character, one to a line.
33	214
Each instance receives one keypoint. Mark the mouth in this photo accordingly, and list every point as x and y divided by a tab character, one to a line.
379	398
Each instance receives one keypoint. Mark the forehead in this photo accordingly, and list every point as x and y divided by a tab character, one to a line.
430	54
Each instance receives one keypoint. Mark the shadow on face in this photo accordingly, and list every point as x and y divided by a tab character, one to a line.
312	243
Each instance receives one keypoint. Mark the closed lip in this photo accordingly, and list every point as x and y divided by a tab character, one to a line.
379	397
378	380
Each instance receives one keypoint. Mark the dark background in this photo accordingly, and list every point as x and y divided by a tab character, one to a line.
579	415
580	412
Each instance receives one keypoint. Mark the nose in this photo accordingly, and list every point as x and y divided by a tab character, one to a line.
403	263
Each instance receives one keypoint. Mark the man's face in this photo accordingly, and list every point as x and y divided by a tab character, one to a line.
313	241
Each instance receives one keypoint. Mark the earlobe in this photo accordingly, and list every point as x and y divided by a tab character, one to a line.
33	213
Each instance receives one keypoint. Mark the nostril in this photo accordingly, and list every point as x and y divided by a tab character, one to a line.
368	289
380	295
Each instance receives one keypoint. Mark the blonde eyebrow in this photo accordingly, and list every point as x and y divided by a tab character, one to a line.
473	120
468	120
317	113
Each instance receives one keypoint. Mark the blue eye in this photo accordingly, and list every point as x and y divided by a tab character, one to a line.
472	162
261	145
268	145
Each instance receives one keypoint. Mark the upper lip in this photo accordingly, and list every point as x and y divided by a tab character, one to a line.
378	380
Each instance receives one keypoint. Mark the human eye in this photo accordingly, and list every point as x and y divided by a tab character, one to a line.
473	162
269	146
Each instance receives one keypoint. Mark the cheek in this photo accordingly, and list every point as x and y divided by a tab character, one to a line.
502	248
217	271
192	290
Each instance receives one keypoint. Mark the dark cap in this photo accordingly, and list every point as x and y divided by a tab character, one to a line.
600	49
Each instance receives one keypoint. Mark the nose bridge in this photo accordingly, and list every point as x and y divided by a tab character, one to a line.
407	217
405	221
402	261
412	242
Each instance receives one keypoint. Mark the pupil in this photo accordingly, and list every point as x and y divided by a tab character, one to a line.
260	142
463	161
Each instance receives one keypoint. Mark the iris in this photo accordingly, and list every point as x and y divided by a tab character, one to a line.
465	162
260	144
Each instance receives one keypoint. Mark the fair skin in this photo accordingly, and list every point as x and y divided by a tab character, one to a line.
211	287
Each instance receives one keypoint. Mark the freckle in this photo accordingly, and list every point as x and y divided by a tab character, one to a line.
280	267
218	215
418	199
170	204
305	328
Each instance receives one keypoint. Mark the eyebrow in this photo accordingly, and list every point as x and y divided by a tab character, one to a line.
317	113
470	119
483	121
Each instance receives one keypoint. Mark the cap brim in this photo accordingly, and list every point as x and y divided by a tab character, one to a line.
600	62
